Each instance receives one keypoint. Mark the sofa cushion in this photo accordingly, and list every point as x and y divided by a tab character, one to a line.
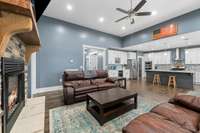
83	83
188	101
153	123
86	89
112	80
106	85
101	74
186	118
98	81
73	75
89	74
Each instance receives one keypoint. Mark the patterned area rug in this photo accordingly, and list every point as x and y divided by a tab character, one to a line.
76	119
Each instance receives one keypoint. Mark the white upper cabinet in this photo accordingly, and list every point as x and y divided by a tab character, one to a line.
111	55
158	57
192	56
123	57
119	55
131	55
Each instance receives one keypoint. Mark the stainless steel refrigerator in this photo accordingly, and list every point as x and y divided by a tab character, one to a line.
133	66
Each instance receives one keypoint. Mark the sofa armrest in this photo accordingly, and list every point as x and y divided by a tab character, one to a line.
119	81
187	101
68	85
111	79
68	93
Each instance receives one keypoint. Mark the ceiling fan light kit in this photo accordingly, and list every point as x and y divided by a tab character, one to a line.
131	13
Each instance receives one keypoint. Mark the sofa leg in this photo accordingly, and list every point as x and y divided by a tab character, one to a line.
68	94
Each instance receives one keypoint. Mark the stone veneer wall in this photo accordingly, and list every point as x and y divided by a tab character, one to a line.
16	49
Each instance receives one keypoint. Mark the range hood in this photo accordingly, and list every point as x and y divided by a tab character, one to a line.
178	64
177	54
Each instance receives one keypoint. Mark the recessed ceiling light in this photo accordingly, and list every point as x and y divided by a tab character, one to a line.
171	25
69	7
182	37
123	28
154	13
60	29
101	19
83	35
102	39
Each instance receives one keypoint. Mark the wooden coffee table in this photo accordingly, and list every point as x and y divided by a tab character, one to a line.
109	104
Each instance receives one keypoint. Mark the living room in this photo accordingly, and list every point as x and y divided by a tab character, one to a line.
92	66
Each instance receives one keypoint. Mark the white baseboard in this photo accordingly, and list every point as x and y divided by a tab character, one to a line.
46	89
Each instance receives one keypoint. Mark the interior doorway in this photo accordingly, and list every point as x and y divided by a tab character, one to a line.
94	58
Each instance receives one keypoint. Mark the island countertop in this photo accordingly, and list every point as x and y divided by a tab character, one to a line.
171	71
184	79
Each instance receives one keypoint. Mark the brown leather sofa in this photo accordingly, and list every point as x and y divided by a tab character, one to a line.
180	115
76	84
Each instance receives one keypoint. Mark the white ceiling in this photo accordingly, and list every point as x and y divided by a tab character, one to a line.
87	12
184	40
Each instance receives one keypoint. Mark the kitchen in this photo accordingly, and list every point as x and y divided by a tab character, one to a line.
122	63
175	56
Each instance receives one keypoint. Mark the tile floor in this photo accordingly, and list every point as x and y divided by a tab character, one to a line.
32	117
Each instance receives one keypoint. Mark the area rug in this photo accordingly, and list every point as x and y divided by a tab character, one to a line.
76	119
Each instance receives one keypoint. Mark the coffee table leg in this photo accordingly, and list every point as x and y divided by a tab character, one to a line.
102	116
125	83
135	100
87	102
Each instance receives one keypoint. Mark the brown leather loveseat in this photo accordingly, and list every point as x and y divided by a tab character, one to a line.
76	84
180	115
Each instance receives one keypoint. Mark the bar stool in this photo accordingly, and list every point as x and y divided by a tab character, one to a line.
172	81
156	79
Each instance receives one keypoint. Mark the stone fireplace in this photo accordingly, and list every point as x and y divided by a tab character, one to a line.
14	83
19	38
13	90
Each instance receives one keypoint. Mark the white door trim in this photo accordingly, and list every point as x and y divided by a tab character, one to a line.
33	72
94	47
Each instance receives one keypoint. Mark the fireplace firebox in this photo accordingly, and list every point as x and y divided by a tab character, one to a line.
13	90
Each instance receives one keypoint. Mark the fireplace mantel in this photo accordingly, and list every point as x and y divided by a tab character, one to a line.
17	18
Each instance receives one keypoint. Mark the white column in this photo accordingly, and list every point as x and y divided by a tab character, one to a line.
33	73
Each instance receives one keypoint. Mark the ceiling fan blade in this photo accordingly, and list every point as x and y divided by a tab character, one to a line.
132	21
139	6
121	19
122	10
143	14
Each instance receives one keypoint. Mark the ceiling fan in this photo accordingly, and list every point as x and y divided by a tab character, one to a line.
133	12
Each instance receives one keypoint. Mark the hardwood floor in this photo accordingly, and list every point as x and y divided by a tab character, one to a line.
162	93
52	99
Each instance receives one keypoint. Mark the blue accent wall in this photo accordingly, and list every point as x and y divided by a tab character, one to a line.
61	42
189	22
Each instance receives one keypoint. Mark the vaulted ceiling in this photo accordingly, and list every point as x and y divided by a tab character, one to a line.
101	14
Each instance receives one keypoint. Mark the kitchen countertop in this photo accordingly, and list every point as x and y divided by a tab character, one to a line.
171	71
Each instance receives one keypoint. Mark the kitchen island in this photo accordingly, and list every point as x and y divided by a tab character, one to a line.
184	79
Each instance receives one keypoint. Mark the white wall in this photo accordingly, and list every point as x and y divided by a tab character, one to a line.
33	72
